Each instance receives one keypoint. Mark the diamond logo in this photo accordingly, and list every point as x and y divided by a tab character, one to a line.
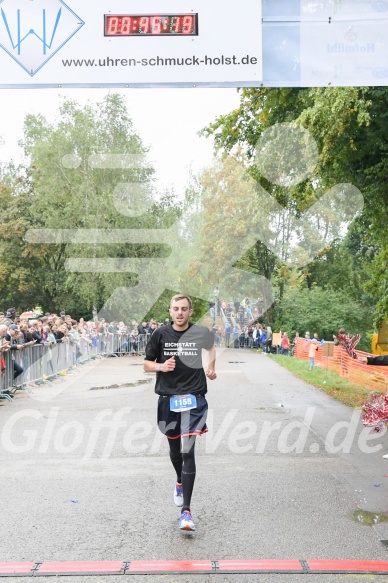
33	31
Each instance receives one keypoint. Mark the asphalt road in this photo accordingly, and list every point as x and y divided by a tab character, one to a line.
85	474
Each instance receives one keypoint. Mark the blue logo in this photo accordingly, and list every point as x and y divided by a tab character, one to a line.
32	33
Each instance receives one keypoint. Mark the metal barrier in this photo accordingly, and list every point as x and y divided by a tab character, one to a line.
6	374
42	362
128	344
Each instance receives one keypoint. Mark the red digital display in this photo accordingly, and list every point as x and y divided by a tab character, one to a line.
151	25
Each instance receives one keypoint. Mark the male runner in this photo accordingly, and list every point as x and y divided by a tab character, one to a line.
174	353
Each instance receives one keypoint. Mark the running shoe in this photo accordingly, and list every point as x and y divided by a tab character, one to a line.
186	521
178	495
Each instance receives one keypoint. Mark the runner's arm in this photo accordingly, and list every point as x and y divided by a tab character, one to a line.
211	372
152	366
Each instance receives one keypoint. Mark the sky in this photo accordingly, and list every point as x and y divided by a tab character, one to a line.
184	111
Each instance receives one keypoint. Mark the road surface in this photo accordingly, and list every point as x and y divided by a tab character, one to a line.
85	474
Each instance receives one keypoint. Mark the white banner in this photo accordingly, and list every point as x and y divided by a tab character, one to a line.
313	43
116	42
122	43
344	53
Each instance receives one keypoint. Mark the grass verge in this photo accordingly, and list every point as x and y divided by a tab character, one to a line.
339	388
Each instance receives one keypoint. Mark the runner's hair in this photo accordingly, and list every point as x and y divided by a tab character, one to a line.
178	297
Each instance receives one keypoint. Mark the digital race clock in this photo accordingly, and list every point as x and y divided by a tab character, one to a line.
151	25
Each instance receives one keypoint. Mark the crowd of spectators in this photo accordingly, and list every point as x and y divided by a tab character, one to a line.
256	336
54	328
242	328
17	332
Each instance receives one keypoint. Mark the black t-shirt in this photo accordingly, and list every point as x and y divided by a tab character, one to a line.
188	375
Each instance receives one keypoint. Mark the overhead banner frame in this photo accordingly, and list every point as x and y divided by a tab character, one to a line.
108	43
261	43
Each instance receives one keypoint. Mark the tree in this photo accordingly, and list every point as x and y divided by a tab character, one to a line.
324	311
87	180
350	126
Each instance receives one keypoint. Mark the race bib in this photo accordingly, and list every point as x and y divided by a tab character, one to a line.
179	403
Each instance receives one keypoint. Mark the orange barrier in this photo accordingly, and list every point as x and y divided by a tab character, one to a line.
373	377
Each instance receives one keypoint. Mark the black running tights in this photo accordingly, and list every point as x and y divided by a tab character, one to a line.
182	455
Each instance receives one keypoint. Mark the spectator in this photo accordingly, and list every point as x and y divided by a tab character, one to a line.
263	339
4	344
312	352
228	331
219	335
143	328
74	332
134	341
285	344
374	360
23	321
15	343
216	335
4	347
268	342
61	335
10	317
236	335
27	337
347	342
154	327
34	331
258	333
250	337
254	337
50	319
47	335
243	336
341	336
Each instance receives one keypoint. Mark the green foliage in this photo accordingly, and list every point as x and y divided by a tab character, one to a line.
350	126
378	285
63	188
346	285
323	311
